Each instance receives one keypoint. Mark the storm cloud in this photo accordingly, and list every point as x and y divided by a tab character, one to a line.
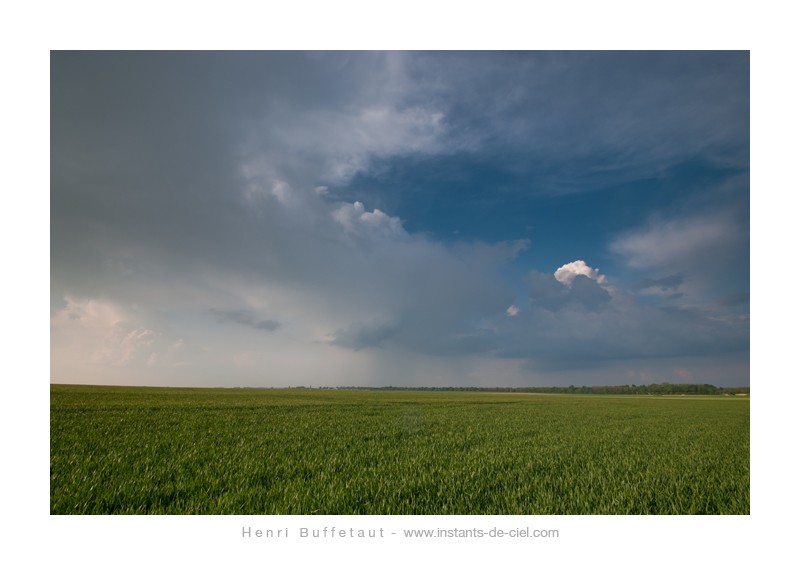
275	218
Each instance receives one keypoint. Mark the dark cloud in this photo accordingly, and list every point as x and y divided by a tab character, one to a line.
736	299
564	327
359	336
663	284
708	246
583	120
592	323
246	318
546	292
176	163
183	183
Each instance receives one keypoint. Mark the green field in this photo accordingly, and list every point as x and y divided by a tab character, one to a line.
118	450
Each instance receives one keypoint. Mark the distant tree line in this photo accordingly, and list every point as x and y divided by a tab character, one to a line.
651	389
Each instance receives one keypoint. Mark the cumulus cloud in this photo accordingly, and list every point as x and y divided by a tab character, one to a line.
355	219
566	273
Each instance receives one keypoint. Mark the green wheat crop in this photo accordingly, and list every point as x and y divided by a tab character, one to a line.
116	450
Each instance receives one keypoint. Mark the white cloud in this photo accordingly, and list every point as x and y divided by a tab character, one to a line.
355	218
512	311
566	274
99	332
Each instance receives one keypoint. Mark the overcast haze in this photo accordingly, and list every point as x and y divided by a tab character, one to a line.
434	219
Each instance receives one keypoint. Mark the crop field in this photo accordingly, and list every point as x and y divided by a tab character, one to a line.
119	450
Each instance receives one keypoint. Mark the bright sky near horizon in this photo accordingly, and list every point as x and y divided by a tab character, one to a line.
400	218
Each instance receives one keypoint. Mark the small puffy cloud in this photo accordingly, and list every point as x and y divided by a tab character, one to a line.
512	311
354	218
566	274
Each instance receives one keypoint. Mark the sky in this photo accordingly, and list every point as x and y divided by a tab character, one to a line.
399	218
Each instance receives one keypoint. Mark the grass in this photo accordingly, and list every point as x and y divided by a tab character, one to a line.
119	450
